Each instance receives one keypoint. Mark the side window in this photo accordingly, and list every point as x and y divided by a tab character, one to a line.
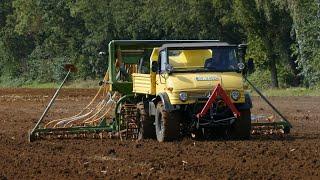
163	60
144	66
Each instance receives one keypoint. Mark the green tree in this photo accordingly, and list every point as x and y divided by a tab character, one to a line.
306	23
58	37
270	25
14	47
281	34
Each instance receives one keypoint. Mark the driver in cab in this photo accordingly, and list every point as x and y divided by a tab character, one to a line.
216	62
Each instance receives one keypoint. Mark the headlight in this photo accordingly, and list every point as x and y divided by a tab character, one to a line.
183	96
235	95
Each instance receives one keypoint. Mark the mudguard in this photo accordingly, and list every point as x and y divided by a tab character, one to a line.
165	100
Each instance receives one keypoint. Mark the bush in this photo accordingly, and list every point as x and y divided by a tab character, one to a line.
261	79
7	81
286	77
43	67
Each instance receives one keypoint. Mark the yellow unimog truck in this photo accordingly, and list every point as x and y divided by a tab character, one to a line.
188	88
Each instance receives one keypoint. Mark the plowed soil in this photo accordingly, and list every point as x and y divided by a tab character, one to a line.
294	156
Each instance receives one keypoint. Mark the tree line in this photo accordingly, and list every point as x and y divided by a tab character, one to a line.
39	36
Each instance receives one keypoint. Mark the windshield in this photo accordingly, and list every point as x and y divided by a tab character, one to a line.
215	59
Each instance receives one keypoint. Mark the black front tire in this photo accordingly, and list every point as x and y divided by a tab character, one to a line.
167	124
241	128
146	126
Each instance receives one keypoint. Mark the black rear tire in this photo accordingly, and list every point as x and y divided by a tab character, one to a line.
241	128
167	124
146	123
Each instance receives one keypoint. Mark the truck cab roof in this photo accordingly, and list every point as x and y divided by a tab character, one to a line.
197	45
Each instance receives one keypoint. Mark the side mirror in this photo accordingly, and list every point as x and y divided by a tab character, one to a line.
242	48
250	66
154	66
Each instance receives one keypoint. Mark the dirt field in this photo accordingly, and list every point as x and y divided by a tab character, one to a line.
296	156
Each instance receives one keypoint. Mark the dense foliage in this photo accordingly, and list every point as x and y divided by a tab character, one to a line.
39	36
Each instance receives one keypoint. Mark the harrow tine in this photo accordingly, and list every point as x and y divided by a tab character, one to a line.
268	126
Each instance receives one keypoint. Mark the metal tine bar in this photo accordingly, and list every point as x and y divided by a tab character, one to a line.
51	102
268	102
